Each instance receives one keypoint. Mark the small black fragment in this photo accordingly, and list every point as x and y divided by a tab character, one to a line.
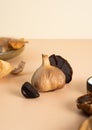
84	103
29	91
62	64
85	98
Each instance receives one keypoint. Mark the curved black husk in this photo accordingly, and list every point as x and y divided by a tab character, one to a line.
62	64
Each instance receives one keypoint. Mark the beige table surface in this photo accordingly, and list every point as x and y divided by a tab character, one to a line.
53	110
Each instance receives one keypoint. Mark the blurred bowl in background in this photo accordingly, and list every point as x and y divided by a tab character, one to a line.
11	54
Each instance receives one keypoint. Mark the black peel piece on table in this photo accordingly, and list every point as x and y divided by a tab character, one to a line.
62	64
29	91
85	98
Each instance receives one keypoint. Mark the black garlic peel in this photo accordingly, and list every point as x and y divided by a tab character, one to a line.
63	65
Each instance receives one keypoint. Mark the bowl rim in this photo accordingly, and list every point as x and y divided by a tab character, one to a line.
11	54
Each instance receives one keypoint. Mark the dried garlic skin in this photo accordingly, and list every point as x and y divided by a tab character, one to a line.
8	44
5	68
17	43
19	69
47	77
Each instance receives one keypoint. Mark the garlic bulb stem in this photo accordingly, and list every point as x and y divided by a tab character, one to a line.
45	60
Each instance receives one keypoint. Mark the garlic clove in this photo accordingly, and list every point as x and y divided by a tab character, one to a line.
5	68
47	77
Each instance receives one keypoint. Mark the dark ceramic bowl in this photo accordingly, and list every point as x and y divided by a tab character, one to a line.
11	54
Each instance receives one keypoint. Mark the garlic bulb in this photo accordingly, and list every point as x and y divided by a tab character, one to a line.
47	77
5	68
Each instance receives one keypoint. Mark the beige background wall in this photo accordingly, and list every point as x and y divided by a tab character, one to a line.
46	18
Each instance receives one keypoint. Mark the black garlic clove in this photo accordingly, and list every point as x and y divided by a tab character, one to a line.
29	91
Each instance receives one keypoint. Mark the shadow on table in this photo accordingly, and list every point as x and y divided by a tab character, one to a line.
16	82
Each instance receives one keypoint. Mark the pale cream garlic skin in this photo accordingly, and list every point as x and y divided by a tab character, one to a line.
47	77
5	68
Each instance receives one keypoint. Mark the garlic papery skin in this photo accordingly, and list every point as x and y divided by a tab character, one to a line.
5	68
47	77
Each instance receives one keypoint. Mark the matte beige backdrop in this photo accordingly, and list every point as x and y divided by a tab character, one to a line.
52	110
46	18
